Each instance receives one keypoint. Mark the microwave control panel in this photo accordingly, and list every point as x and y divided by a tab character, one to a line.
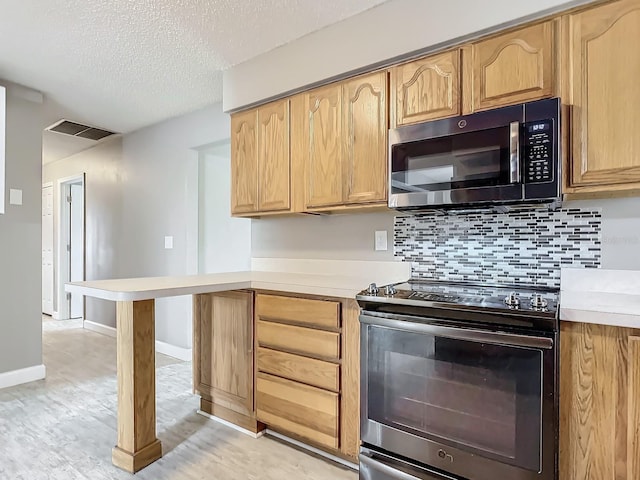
538	151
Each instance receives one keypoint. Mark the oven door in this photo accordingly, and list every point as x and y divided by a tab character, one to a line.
473	403
469	167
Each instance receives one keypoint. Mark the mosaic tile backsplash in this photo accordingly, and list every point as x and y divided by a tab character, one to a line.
527	246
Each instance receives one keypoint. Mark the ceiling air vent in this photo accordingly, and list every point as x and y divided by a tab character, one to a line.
79	130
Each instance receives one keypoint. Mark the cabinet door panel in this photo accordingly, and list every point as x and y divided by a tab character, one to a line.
514	67
273	157
224	349
244	162
606	96
324	160
426	89
364	129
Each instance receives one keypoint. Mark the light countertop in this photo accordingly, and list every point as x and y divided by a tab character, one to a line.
607	297
329	282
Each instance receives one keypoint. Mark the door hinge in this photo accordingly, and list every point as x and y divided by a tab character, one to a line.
69	248
68	295
68	198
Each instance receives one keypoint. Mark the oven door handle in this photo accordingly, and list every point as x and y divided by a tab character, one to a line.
385	469
496	338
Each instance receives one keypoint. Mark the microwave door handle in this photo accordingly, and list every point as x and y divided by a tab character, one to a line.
514	152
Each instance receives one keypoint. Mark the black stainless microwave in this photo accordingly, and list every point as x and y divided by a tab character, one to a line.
503	156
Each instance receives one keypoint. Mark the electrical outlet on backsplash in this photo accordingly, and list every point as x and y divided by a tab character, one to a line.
527	246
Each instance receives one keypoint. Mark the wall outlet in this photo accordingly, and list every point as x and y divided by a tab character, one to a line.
168	243
15	197
381	240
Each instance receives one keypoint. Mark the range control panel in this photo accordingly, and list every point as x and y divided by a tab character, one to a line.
538	154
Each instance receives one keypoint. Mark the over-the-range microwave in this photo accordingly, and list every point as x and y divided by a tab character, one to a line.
509	155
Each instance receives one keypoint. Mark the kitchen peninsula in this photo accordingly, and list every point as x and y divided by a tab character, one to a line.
137	445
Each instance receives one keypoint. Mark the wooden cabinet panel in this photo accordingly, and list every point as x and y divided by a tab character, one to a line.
599	408
223	349
306	412
301	369
604	87
304	341
273	157
512	68
426	89
304	311
244	163
364	133
323	147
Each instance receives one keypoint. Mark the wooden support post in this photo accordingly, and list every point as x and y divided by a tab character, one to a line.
137	443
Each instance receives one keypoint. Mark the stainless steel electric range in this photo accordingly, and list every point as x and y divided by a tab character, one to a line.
459	381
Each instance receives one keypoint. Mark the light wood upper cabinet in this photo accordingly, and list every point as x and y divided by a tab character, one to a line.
323	147
273	157
364	133
511	68
605	91
223	344
244	163
426	89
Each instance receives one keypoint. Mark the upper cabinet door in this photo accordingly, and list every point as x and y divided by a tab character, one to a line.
512	68
606	94
364	130
273	157
324	159
244	163
426	89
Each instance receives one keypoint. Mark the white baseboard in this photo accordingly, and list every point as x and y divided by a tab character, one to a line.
180	353
231	425
99	328
55	315
24	375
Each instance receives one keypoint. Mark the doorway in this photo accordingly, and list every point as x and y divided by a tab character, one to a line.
71	245
47	249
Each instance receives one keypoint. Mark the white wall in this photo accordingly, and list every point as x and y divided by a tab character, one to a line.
20	236
103	210
394	28
160	198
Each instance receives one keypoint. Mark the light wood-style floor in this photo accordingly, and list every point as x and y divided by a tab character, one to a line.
65	426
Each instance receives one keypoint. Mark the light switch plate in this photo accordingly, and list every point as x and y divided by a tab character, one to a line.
168	243
15	197
381	240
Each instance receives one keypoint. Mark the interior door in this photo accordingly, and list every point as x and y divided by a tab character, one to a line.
47	250
76	246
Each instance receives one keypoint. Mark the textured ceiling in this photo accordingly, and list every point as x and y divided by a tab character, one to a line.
124	64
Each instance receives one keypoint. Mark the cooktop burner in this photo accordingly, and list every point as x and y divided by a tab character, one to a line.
504	299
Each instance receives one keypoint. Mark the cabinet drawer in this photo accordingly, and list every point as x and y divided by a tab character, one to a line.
304	411
305	341
315	313
302	369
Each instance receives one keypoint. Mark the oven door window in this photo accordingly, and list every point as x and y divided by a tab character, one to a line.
482	398
467	160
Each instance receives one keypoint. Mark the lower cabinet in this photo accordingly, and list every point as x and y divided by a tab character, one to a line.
298	375
599	402
223	366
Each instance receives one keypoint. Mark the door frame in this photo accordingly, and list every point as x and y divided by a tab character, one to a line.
61	272
53	249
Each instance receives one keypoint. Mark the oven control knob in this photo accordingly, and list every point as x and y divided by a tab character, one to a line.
373	289
390	290
538	303
512	300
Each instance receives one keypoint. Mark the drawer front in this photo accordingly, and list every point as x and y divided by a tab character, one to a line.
305	341
304	411
301	369
315	313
